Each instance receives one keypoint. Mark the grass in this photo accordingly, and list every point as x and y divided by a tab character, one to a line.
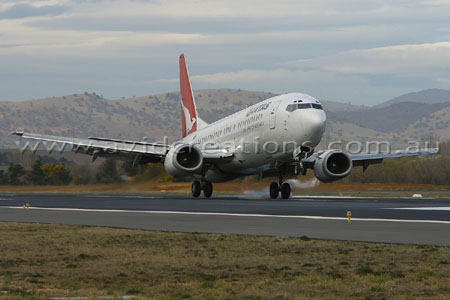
49	261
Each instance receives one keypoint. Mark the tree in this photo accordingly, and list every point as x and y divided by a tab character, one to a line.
56	174
108	172
154	171
82	174
444	148
36	175
421	170
3	159
3	178
131	170
15	172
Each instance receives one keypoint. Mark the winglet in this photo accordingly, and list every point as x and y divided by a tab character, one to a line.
189	116
18	133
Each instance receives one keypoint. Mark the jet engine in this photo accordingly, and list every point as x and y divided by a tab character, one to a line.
332	165
183	160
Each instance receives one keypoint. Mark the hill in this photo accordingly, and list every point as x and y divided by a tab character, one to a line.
393	118
430	96
156	116
82	115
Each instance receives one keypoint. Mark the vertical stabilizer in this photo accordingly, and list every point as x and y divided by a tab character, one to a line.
189	116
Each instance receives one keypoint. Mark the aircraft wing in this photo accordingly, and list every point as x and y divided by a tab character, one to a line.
366	159
139	152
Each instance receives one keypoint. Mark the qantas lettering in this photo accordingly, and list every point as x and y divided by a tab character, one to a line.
258	108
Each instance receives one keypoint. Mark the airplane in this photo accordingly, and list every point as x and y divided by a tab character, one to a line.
273	138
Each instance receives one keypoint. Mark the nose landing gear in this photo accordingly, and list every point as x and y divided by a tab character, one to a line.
205	186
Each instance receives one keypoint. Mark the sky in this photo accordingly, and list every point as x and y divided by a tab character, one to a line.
363	52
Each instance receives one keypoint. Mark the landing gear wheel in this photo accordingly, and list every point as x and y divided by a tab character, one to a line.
196	189
274	190
207	189
285	190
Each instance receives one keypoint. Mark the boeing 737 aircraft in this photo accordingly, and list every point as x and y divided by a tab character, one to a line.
275	138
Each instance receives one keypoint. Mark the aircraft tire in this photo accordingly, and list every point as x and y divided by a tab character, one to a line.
207	189
196	189
274	190
285	190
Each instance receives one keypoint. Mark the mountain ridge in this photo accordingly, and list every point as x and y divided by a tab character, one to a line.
428	96
156	116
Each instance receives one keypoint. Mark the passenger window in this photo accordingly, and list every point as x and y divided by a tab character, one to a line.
304	105
317	106
291	107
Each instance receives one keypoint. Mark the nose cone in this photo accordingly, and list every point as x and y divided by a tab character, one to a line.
314	123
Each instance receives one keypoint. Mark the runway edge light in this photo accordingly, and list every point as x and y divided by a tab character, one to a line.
349	216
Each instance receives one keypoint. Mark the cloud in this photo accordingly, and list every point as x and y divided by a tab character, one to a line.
347	49
234	16
243	76
281	80
239	77
23	10
400	59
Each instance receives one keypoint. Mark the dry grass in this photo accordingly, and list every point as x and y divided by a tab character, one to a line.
229	187
381	187
47	261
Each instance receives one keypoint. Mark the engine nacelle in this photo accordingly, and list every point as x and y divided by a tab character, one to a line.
183	160
332	165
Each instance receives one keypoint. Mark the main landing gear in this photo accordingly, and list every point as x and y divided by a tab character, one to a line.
280	187
205	186
284	189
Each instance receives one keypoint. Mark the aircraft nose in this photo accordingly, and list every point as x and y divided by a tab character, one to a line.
315	121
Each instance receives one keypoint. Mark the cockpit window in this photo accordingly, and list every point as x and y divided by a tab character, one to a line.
304	105
291	107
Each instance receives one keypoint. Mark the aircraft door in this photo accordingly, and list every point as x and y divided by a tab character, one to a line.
273	115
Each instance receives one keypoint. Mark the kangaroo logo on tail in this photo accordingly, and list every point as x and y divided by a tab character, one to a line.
189	122
188	109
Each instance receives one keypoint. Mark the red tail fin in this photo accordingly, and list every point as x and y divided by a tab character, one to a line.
189	116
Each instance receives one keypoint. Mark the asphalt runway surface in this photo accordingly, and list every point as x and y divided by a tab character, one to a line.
391	220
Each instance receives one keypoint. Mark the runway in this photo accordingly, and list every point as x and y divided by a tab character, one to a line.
392	220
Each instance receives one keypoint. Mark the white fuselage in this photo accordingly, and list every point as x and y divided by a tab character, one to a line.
263	135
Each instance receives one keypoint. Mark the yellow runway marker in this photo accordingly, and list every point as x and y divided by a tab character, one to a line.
349	216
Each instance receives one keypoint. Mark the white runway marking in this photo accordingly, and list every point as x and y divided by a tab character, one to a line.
109	196
355	197
330	197
423	208
231	214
